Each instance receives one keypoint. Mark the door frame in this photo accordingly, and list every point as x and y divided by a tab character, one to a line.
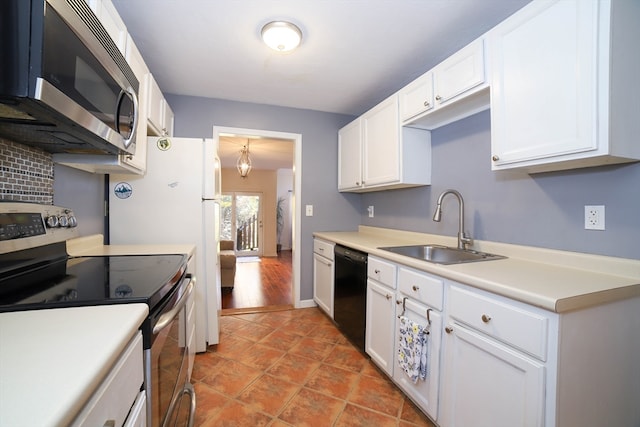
234	219
296	227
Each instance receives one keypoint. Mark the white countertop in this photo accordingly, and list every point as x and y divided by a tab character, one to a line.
555	280
93	246
51	361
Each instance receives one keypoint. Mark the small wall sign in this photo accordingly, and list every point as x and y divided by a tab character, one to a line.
122	190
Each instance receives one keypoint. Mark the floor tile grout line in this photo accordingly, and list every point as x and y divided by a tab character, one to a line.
290	323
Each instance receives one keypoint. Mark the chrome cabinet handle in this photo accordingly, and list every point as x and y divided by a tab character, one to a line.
438	98
426	103
495	158
415	288
485	318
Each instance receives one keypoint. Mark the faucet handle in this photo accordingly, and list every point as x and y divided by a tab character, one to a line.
465	240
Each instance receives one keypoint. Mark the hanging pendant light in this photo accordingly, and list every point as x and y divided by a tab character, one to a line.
244	162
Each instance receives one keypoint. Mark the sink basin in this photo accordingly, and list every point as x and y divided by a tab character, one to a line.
442	254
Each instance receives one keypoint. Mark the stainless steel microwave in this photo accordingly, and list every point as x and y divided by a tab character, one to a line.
64	85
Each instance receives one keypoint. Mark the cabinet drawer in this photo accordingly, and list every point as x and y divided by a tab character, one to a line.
323	248
509	323
382	271
421	286
118	392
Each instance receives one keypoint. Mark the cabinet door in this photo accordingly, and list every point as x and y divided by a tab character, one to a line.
381	141
379	337
459	73
323	283
488	384
425	393
167	119
350	156
417	96
155	110
543	91
111	21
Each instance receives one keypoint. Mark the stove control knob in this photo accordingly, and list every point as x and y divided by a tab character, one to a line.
63	220
52	221
73	222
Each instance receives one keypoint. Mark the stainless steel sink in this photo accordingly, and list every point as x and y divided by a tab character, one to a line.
442	254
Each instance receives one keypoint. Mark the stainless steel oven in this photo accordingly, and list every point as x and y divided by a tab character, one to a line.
173	400
36	273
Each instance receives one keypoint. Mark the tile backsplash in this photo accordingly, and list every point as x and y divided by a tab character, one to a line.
26	173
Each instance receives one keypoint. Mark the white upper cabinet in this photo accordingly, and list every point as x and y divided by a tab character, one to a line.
417	97
160	115
454	89
564	85
350	156
376	153
111	21
381	136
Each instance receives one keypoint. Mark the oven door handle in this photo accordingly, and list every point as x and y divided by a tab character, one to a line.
187	389
167	317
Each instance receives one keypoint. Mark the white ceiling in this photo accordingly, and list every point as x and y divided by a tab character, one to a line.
354	53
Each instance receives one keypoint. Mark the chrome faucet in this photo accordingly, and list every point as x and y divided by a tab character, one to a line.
463	239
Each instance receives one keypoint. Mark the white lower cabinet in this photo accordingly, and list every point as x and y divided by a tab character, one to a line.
118	393
323	275
379	336
380	322
424	392
488	379
485	383
497	362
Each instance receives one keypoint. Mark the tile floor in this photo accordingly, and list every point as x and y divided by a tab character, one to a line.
293	368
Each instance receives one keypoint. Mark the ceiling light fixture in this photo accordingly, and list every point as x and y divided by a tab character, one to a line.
244	162
281	36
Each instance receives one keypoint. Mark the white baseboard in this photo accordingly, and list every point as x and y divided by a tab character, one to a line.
307	303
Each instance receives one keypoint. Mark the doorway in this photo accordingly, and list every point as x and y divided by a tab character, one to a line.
295	161
241	221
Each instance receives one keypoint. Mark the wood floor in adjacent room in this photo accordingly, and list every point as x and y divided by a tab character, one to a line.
261	283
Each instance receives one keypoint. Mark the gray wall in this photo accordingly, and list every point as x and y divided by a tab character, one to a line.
544	210
195	118
84	193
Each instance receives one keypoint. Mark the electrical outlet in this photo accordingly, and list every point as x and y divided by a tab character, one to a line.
309	210
594	217
370	210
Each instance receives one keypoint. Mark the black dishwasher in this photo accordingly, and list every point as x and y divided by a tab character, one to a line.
350	293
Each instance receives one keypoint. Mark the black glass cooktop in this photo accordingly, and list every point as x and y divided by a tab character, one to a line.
82	281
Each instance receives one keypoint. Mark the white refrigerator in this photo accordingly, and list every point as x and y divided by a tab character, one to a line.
176	202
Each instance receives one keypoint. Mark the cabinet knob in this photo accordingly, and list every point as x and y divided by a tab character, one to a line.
357	183
495	158
415	288
438	98
398	302
388	297
376	271
485	318
426	103
448	329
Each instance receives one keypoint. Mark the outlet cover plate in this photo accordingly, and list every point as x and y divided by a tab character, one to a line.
594	217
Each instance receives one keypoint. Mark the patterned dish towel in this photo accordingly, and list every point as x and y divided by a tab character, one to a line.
412	351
